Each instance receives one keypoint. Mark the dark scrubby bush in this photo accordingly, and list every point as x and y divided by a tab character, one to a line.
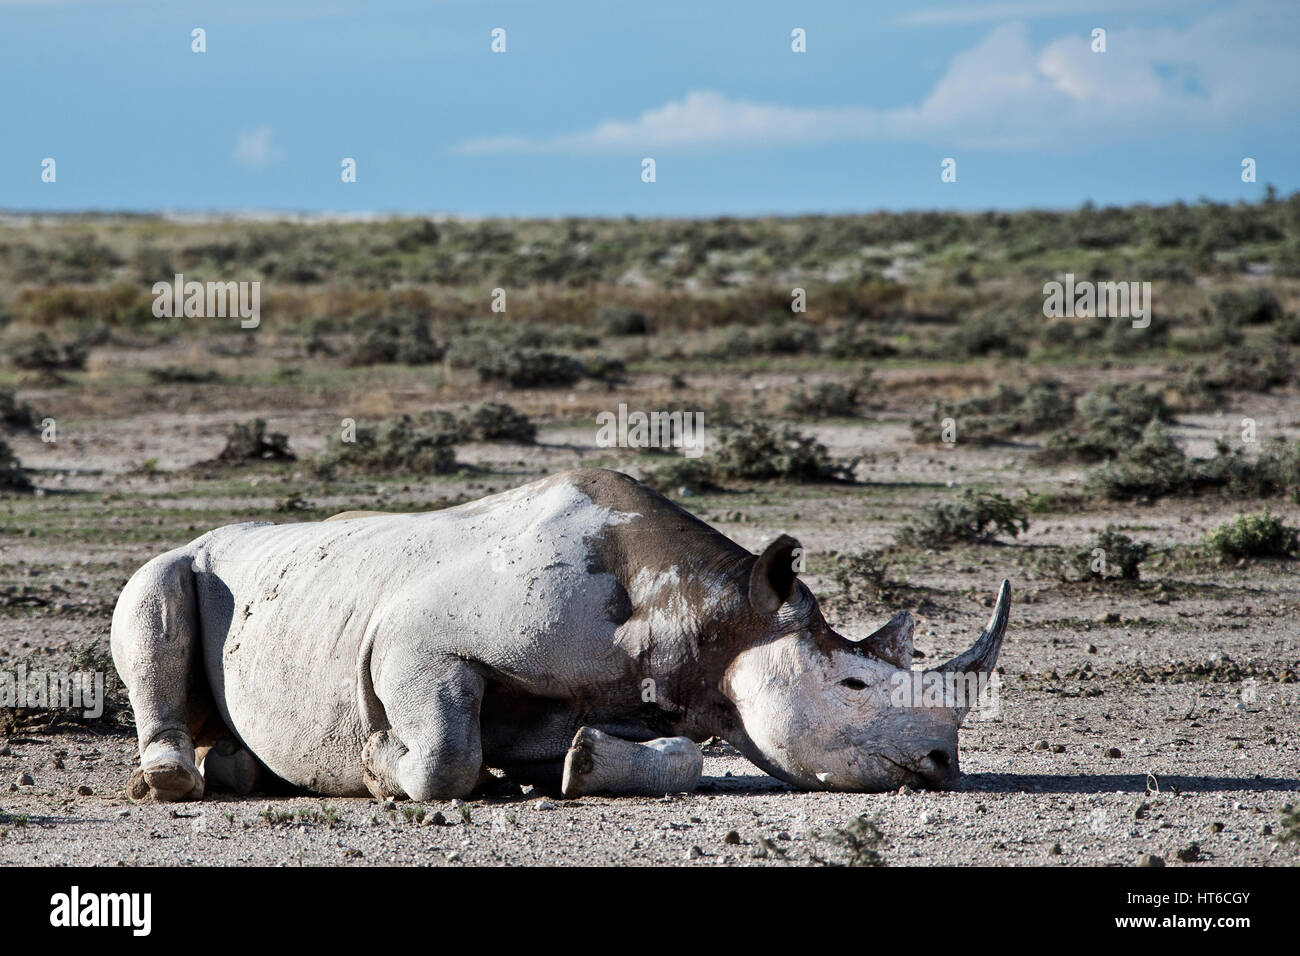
678	473
1120	556
396	339
1245	369
758	451
249	441
1248	306
990	333
1109	421
1005	412
1262	535
13	477
180	375
825	400
495	421
859	575
40	353
404	445
13	414
528	368
972	518
859	341
621	321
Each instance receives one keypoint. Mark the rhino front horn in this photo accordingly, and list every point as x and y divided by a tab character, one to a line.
981	658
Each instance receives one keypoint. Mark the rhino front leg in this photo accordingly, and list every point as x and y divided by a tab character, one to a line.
432	749
598	762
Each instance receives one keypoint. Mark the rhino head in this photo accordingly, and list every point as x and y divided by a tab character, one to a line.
824	712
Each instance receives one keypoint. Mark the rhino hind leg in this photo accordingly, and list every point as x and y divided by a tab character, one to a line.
432	750
155	643
227	765
598	762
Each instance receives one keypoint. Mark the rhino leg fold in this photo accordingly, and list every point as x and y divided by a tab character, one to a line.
598	762
155	643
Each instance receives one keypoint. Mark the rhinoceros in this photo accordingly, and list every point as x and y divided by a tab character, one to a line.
581	633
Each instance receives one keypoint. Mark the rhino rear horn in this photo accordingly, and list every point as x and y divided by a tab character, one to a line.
771	582
893	642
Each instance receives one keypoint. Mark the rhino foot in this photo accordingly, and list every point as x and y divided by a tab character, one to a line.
379	759
598	762
229	766
167	773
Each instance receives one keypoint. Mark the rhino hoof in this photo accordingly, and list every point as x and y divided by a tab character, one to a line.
167	781
579	762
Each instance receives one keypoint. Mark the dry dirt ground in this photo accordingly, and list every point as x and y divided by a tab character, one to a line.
1182	685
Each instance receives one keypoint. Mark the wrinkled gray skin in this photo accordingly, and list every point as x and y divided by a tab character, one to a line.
579	633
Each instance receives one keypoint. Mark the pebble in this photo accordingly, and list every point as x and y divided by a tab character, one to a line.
1041	745
928	817
26	780
732	838
1113	753
84	791
544	805
1189	854
1150	860
694	853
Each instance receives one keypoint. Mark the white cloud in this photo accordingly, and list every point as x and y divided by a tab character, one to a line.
255	149
1222	70
1031	10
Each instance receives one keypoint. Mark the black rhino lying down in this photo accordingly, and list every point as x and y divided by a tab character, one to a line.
578	633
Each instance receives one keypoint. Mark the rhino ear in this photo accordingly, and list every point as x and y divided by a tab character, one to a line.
771	582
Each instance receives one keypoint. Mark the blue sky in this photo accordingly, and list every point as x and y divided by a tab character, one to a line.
559	124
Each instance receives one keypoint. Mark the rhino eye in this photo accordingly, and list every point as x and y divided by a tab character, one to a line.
852	683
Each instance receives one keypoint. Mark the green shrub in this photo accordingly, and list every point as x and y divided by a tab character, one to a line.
824	400
1262	535
393	339
620	321
758	451
1120	557
396	446
528	368
679	473
41	354
1249	306
859	574
974	517
1109	422
495	421
1002	413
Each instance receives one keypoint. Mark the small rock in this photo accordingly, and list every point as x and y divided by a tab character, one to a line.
928	817
1092	648
435	819
694	853
124	813
1056	849
26	780
544	805
1216	827
732	838
1151	860
1113	753
1041	745
84	791
453	856
1058	748
1189	854
1109	617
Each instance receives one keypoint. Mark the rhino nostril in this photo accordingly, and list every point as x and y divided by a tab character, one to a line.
940	758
